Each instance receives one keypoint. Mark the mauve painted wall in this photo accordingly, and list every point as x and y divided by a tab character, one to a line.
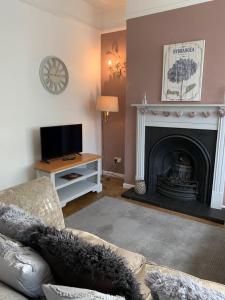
114	130
145	39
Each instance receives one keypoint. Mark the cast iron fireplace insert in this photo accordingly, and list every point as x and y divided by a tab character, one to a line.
179	166
179	163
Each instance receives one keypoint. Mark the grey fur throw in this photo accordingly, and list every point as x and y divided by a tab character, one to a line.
77	263
14	221
180	288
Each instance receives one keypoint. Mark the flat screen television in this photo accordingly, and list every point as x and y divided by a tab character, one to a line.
58	141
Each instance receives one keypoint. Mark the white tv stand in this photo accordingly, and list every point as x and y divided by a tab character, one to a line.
87	165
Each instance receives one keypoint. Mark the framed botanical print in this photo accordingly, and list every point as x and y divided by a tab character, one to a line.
183	71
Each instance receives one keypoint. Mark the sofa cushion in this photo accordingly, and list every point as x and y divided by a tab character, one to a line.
56	292
7	293
37	197
179	287
14	221
77	263
134	260
22	268
174	273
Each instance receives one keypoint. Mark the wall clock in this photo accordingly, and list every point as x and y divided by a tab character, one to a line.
54	75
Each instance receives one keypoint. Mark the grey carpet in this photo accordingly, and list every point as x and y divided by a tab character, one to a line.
186	245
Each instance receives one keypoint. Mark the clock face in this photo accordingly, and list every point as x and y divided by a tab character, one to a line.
54	75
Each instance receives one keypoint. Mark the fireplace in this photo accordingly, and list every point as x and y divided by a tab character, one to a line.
180	158
179	163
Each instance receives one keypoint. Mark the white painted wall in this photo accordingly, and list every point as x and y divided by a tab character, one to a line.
146	7
28	35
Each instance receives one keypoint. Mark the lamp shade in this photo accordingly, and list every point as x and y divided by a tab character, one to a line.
108	104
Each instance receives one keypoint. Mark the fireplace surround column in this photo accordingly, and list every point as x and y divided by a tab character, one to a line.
219	170
140	153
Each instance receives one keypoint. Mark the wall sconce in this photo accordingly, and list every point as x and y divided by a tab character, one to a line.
107	104
116	67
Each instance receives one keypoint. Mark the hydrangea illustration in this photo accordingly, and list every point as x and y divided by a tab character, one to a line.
182	70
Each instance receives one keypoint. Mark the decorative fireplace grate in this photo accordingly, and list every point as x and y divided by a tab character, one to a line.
177	183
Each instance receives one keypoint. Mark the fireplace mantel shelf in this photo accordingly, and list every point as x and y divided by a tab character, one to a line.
192	110
179	105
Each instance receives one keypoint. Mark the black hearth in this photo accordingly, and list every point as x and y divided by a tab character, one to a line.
179	165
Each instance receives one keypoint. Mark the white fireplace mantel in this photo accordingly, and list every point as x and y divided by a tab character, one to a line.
193	116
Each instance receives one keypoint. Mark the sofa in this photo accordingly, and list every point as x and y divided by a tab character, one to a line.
40	198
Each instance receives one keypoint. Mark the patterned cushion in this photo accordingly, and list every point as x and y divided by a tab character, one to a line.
56	292
22	268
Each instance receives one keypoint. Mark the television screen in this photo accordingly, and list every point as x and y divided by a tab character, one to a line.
57	141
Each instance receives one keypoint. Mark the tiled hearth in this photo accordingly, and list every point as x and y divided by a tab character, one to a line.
180	157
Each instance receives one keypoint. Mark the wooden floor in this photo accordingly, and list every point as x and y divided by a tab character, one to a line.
113	187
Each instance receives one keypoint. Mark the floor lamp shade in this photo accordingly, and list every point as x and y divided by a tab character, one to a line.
108	104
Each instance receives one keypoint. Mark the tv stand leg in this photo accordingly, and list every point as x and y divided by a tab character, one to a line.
98	189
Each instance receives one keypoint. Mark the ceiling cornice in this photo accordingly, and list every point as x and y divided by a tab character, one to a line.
78	11
81	11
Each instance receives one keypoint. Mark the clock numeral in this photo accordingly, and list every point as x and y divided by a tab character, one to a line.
48	64
46	68
62	71
51	85
61	85
55	87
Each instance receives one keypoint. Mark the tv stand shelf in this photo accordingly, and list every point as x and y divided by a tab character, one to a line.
88	166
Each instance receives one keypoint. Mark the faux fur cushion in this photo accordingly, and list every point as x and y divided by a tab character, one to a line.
179	287
14	221
76	263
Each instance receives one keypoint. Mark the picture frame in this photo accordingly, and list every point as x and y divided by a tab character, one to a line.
183	65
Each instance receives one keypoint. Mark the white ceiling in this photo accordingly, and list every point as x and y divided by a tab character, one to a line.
106	4
108	14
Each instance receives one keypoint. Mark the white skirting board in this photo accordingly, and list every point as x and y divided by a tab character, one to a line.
113	174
